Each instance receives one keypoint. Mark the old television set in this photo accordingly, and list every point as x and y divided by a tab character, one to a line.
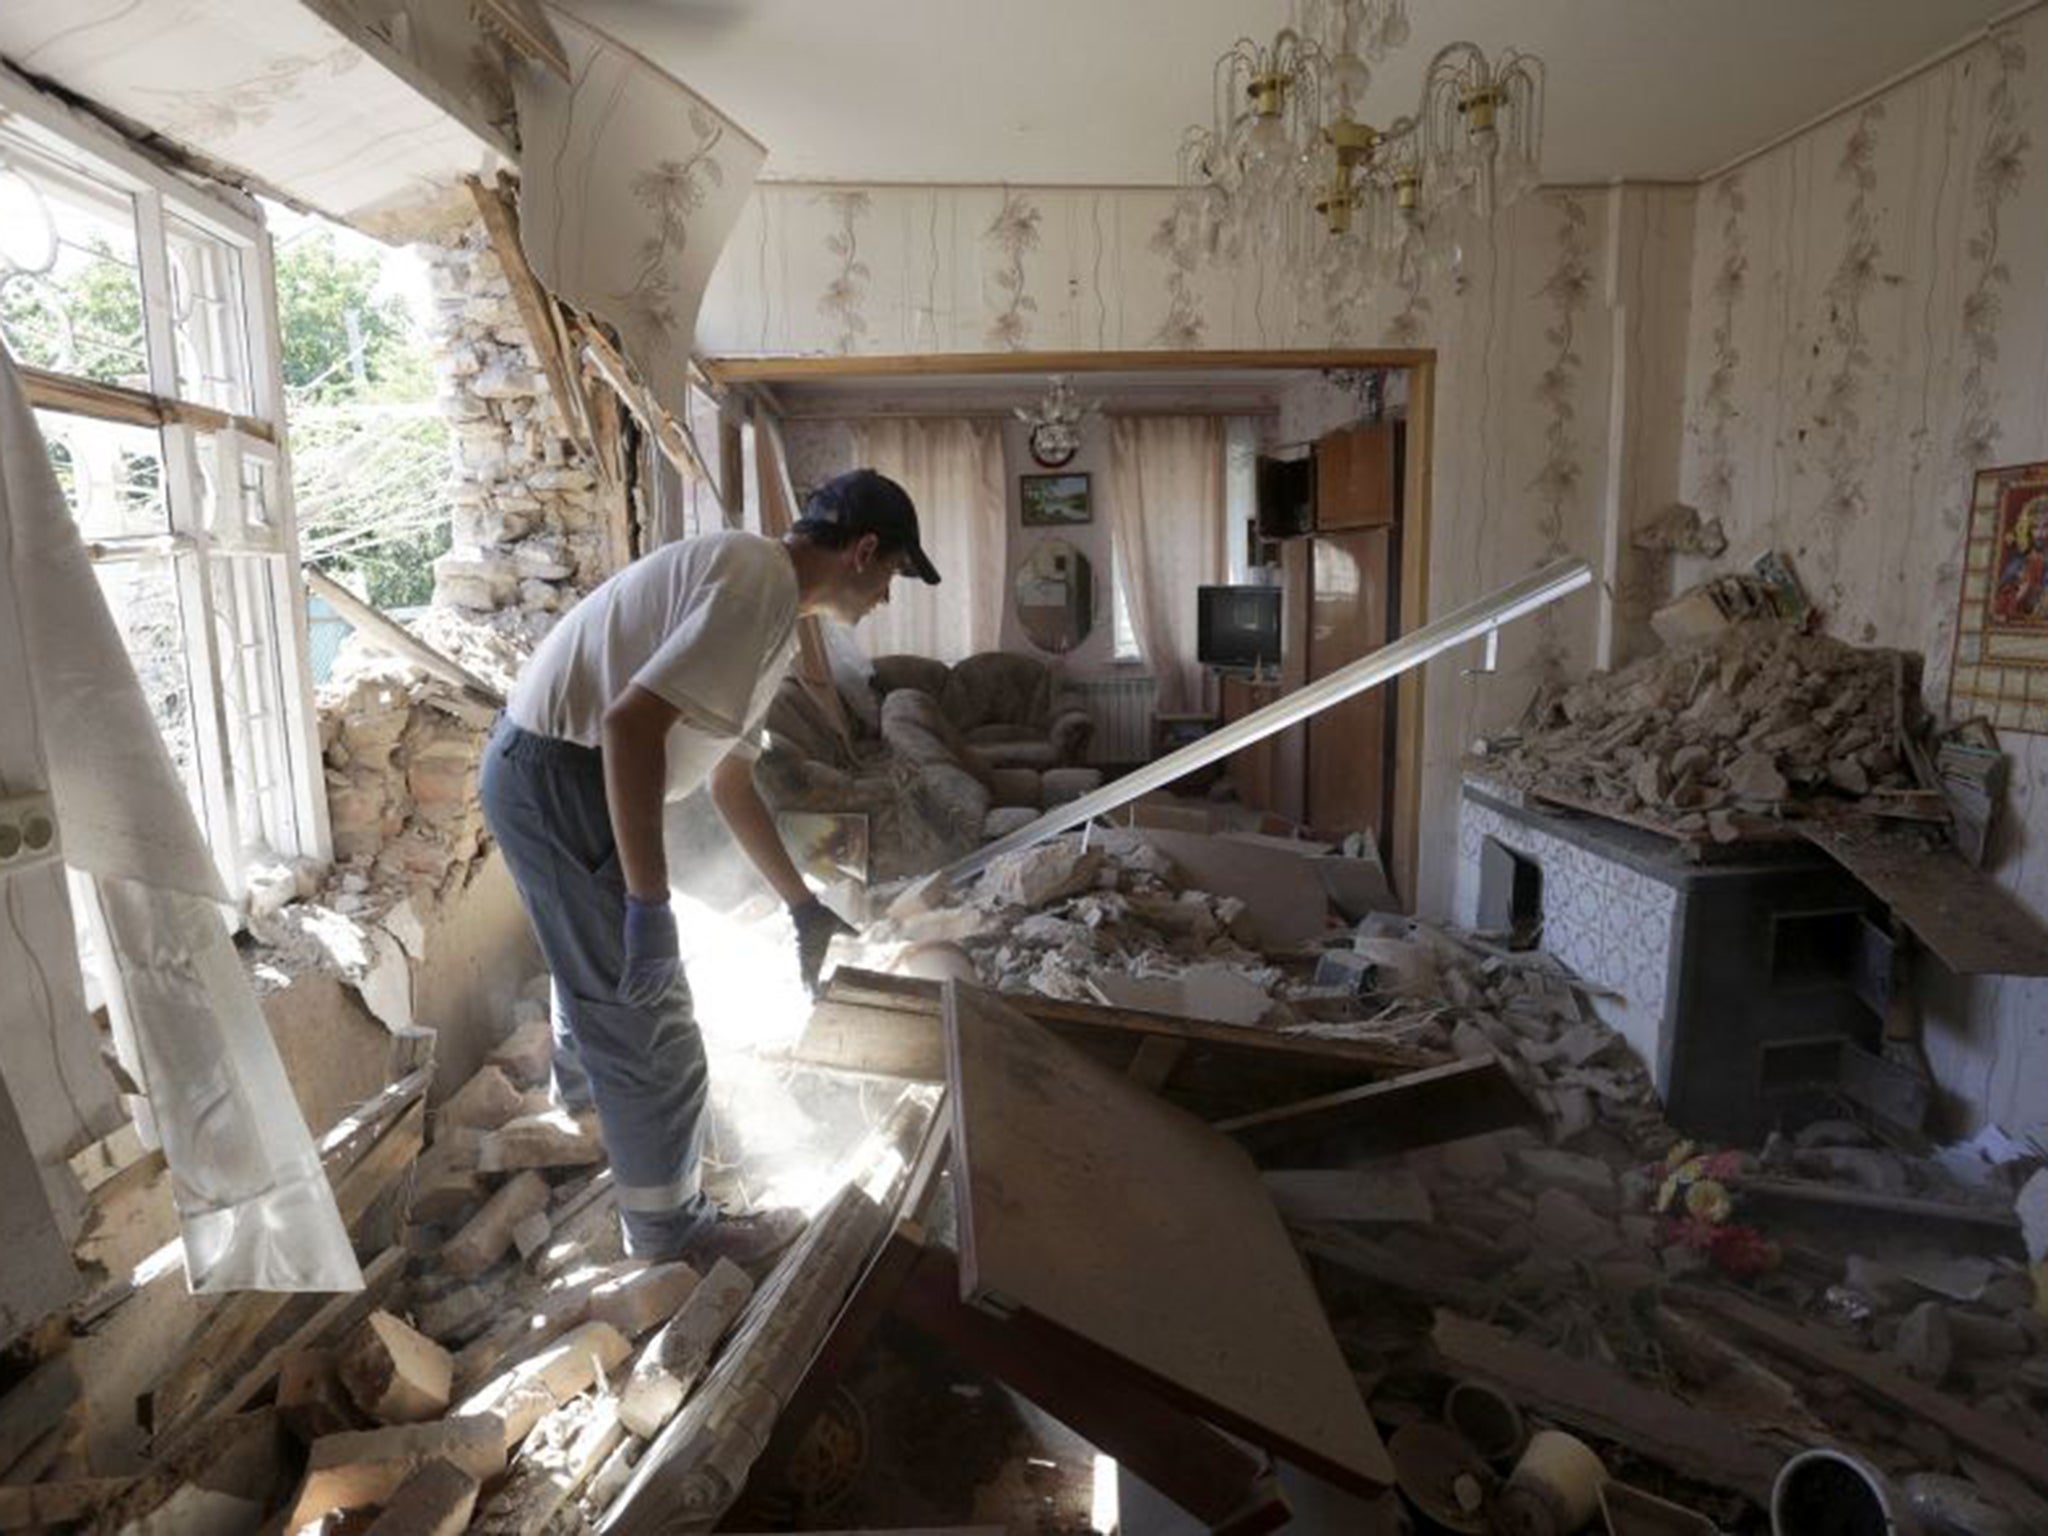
1237	629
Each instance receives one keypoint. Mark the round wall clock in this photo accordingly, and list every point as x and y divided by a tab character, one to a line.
1052	445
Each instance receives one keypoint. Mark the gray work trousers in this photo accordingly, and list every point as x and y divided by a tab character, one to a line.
642	1068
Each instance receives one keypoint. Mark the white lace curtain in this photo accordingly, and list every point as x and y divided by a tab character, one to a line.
1167	518
953	470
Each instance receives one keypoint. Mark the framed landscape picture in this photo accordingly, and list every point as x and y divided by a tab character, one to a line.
1055	501
2001	661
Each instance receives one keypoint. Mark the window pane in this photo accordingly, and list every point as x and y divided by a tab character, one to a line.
142	596
252	679
111	473
209	336
70	283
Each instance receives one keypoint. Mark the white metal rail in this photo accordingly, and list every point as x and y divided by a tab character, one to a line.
1479	620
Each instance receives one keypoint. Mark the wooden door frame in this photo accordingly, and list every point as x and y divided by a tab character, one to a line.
1420	365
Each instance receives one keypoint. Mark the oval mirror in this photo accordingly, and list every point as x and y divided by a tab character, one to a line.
1055	592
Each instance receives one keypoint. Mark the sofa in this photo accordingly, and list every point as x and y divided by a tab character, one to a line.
1010	708
931	794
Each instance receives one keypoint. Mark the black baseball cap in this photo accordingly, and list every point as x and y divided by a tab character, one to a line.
865	501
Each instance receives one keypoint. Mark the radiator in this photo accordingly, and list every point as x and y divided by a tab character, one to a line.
1121	708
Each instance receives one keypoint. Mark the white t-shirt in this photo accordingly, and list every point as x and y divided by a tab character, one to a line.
709	624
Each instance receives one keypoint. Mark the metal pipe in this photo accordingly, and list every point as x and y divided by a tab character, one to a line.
1476	620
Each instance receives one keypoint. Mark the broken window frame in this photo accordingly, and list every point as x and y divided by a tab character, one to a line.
231	537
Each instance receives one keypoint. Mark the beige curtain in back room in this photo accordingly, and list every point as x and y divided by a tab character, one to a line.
953	470
1167	521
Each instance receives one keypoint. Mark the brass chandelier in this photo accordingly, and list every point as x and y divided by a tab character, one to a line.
1288	169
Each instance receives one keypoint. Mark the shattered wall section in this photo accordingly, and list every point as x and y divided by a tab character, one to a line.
530	515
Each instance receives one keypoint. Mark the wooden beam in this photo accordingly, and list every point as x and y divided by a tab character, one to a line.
1983	1433
1129	1027
36	1405
333	1318
1598	1401
1968	921
1212	1477
526	30
1420	1109
137	407
536	309
229	1332
727	371
38	1505
381	629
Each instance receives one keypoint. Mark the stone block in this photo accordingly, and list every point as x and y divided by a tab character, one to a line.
554	1139
527	1055
362	1469
485	1102
396	1374
311	1401
635	1303
486	1236
437	1500
518	1399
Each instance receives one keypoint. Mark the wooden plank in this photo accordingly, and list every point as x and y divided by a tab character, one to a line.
1155	1061
136	407
1212	1477
1989	1219
232	1329
1971	923
1604	1403
1365	1195
534	303
1111	1035
332	1319
727	371
526	30
382	629
1420	1109
45	1504
36	1405
1368	1261
1988	1436
1126	1222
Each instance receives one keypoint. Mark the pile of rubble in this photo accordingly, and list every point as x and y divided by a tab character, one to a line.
504	1369
1698	1316
1757	721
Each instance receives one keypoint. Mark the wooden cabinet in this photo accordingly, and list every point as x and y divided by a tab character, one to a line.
1348	743
1339	601
1358	476
1256	772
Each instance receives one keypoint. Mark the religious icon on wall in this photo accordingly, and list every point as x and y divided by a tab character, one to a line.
2001	660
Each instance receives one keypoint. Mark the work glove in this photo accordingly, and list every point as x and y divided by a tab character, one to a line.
651	955
817	925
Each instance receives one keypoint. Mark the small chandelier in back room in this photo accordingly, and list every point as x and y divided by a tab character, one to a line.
1289	171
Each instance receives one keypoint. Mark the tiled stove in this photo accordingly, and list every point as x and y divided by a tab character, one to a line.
1713	965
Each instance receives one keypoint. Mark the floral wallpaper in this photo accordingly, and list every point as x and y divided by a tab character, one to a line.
1012	233
1717	405
1838	414
630	186
1867	331
841	300
1520	332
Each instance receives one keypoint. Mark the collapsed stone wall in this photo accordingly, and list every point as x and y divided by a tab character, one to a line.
530	516
400	748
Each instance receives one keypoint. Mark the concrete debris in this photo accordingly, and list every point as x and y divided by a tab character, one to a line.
1757	720
553	1138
